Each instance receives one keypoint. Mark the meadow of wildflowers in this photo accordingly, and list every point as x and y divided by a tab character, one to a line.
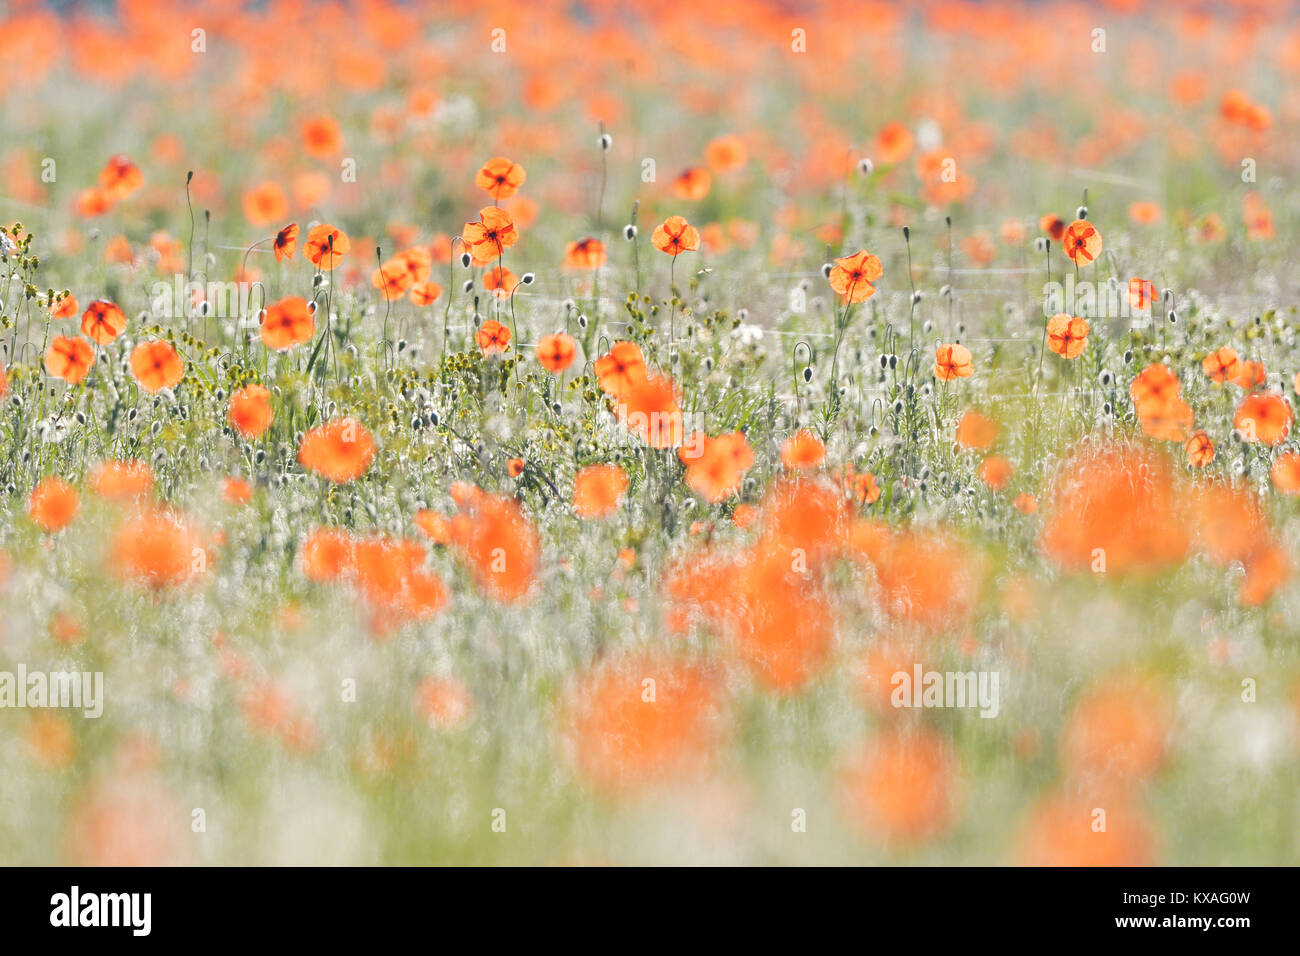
816	433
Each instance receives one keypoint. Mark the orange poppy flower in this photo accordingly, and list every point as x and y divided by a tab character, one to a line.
1115	508
1141	294
1052	226
492	337
1220	365
893	143
715	471
326	246
92	202
976	431
1264	417
619	368
1200	450
425	293
53	504
1067	336
120	480
156	548
692	183
1285	473
500	178
249	411
286	242
802	450
500	282
287	323
444	703
1144	212
340	450
635	723
1118	730
265	203
649	409
556	352
120	178
1061	831
995	471
1026	503
326	554
237	491
675	235
861	487
156	365
321	136
899	786
500	544
852	276
489	236
66	308
598	490
1247	374
1154	386
515	467
726	153
1171	421
102	322
952	361
69	359
1082	242
1267	569
584	254
434	526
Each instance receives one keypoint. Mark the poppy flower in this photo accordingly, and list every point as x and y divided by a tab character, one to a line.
444	703
995	471
715	471
1026	503
102	322
1053	227
976	431
120	480
802	450
492	337
1247	374
1264	417
424	293
120	178
340	450
1141	294
156	365
237	491
617	369
1082	242
433	525
692	183
500	178
1067	336
649	409
287	323
249	410
286	242
952	361
69	359
321	136
1118	730
1144	212
852	276
326	246
598	490
636	723
726	153
675	235
894	143
899	786
1061	831
1285	473
1154	386
556	352
500	282
1200	450
53	504
157	548
500	545
584	254
1170	421
92	202
66	308
265	203
326	554
1220	365
489	236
